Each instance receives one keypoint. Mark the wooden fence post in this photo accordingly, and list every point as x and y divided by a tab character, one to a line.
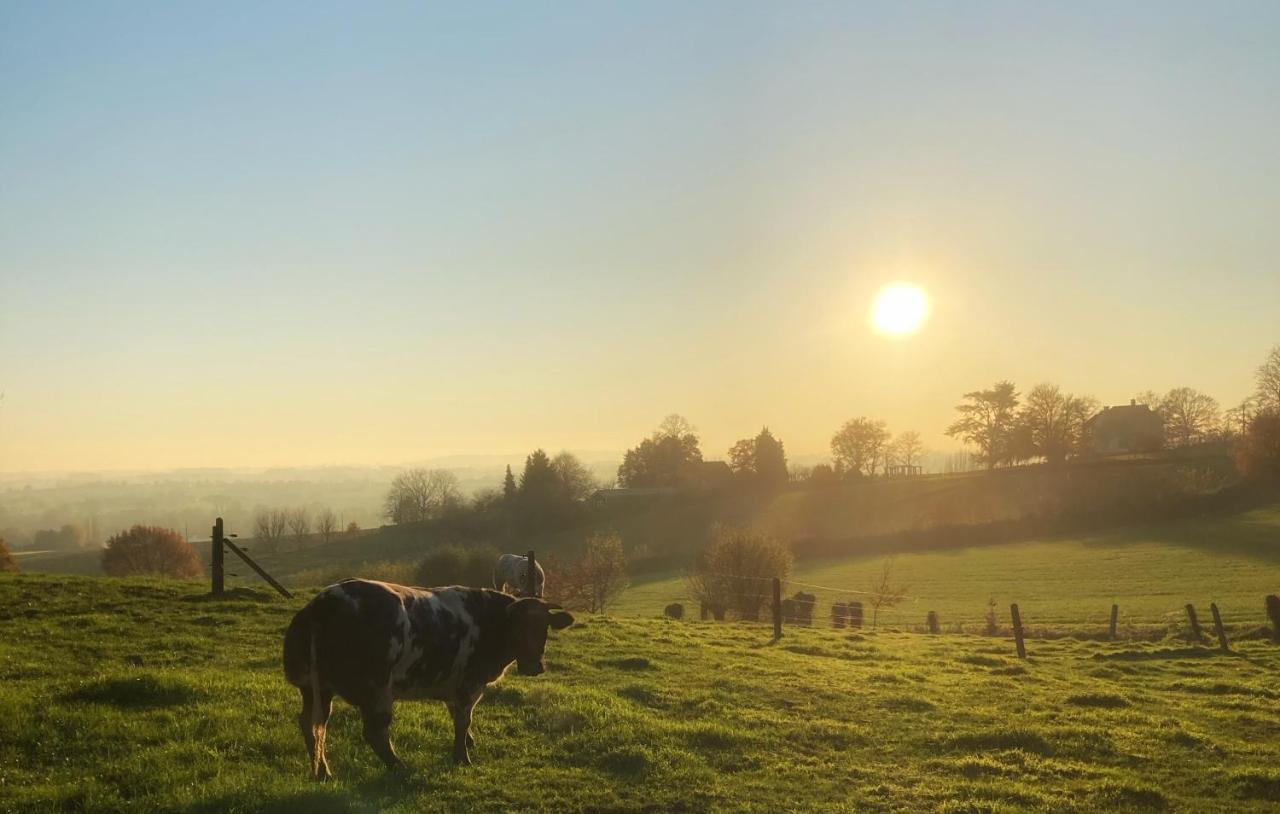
216	565
1217	628
1017	630
1273	613
530	577
931	620
1194	622
777	608
1115	613
702	611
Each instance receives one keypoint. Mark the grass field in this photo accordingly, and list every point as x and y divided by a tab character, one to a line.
146	696
1151	572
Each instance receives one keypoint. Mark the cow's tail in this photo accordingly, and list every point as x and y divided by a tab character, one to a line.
318	718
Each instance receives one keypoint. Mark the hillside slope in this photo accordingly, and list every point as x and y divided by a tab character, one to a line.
140	695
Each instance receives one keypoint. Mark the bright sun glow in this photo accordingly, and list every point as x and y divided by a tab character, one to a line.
899	309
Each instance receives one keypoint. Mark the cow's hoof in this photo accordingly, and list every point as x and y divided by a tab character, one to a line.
461	760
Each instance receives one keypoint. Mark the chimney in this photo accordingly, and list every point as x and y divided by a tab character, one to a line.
1133	402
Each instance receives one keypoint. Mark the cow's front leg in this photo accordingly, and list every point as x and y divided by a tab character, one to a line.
376	714
462	739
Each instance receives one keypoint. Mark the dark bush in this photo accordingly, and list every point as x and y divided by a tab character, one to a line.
452	564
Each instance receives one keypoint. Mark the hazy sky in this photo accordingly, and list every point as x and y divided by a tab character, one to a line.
270	233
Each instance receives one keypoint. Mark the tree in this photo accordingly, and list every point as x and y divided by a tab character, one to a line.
1268	380
885	593
327	524
761	460
421	494
1188	414
575	481
7	562
299	524
1259	448
907	449
858	446
353	528
987	418
509	488
67	537
735	569
1054	422
150	551
269	526
663	459
596	578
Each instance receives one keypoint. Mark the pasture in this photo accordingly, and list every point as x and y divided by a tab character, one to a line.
142	695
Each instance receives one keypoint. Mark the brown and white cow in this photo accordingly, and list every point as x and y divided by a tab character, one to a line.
372	643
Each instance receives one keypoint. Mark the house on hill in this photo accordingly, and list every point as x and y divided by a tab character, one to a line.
1125	428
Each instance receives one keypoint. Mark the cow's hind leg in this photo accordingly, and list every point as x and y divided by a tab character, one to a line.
377	728
320	768
453	713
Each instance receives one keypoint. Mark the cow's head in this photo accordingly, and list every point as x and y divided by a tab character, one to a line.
527	622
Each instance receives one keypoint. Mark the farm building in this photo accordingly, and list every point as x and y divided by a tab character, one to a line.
1128	427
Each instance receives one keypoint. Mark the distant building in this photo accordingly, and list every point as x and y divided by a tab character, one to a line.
709	475
1129	427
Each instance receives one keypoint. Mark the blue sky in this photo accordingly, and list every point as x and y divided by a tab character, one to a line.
389	231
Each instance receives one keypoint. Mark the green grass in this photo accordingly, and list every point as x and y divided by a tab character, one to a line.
138	695
1067	583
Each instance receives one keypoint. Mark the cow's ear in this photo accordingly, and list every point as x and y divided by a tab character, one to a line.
560	620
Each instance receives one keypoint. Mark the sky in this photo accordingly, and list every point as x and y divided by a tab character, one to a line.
256	234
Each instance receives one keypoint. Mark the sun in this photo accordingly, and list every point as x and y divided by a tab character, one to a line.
899	309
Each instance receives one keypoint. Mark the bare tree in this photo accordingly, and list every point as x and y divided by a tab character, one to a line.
269	526
1054	421
596	578
299	523
1268	380
421	494
908	449
885	593
1188	414
327	524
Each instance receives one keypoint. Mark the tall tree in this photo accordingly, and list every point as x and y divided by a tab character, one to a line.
576	481
987	418
509	487
663	459
761	460
1268	380
858	446
421	494
1188	414
1054	421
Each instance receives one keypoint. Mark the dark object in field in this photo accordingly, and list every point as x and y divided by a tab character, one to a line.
372	642
1115	614
789	611
855	615
1219	629
804	604
675	610
931	621
1194	623
839	611
1273	613
717	611
1017	630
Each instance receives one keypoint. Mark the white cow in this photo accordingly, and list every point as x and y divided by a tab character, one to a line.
511	575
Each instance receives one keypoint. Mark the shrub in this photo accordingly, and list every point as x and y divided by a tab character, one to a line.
735	570
7	562
595	579
451	564
150	550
